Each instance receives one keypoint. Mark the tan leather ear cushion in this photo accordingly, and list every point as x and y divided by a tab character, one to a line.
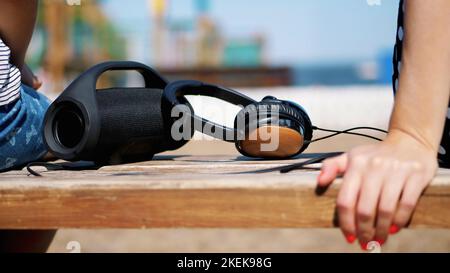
258	144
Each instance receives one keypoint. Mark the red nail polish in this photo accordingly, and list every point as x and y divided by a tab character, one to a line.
380	241
350	238
363	245
394	229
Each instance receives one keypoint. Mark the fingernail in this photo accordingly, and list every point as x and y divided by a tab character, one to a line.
380	241
394	229
350	238
363	245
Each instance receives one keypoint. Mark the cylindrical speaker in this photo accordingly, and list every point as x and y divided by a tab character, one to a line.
109	126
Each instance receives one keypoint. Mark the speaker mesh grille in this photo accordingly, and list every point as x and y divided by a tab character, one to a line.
130	117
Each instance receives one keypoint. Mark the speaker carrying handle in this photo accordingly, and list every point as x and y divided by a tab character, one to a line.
151	78
85	84
178	89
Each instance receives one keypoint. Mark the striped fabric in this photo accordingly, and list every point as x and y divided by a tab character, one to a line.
10	79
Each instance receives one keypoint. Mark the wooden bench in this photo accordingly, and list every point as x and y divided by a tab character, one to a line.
185	191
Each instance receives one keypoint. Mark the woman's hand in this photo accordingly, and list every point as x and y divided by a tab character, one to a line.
381	186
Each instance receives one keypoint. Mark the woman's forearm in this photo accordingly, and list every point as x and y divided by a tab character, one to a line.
17	20
424	87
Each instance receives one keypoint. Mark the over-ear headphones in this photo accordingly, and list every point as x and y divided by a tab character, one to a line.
119	125
285	120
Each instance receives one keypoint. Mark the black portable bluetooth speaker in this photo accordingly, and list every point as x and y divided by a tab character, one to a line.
110	126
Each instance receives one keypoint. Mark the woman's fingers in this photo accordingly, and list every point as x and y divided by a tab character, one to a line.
380	189
389	199
331	168
348	194
410	196
346	202
372	183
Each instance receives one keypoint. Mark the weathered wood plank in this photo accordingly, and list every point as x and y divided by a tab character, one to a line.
185	192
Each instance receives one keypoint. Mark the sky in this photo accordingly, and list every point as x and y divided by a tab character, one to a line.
297	31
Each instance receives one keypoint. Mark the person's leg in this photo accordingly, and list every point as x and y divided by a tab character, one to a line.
25	241
21	142
20	130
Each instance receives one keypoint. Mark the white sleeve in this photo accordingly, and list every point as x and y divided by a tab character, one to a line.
10	78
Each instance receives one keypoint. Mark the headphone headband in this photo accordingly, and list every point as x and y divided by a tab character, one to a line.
175	91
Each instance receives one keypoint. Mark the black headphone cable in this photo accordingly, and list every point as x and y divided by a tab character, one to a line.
348	132
303	165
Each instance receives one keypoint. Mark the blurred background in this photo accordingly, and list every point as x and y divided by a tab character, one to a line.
234	43
332	57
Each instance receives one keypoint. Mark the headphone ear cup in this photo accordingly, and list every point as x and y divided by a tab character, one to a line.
258	124
302	117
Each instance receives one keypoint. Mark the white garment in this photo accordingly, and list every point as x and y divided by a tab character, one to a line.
10	78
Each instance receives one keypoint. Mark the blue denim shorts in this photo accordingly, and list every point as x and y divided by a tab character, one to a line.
21	130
